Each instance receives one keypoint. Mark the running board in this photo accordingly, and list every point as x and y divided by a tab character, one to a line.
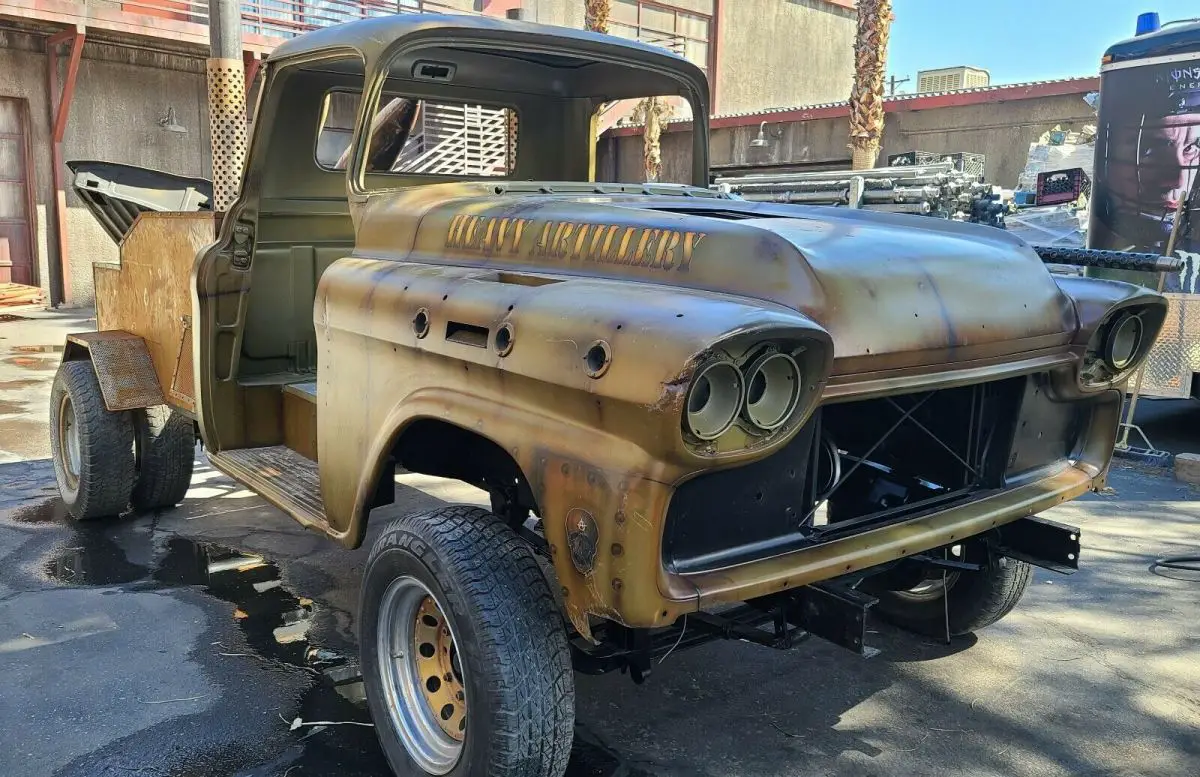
281	476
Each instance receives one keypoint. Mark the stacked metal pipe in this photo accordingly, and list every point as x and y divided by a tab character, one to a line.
931	190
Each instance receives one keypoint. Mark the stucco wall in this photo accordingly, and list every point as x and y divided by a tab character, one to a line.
564	13
771	53
777	53
1002	131
120	96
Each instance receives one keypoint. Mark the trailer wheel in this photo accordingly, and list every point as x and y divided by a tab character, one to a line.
165	452
92	447
976	599
464	652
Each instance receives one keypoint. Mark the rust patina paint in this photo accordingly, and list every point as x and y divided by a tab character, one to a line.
664	278
660	249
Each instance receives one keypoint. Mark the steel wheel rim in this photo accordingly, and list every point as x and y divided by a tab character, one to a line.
930	589
405	673
68	441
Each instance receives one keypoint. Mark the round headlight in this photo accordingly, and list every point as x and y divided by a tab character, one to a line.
1123	342
772	390
713	400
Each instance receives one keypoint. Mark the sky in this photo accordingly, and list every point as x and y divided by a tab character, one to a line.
1016	40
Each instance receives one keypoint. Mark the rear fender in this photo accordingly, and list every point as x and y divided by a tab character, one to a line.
123	368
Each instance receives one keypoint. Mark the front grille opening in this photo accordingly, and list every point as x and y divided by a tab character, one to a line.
859	465
884	457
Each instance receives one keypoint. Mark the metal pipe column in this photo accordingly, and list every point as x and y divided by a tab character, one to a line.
226	100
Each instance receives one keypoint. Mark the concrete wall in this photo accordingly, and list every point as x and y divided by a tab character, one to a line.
120	96
771	53
1002	131
564	13
778	53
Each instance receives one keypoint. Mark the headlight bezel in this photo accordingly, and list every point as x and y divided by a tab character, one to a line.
1109	359
809	357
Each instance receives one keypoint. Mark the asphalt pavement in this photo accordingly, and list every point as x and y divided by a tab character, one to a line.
191	641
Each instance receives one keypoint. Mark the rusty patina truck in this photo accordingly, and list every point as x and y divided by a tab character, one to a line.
695	416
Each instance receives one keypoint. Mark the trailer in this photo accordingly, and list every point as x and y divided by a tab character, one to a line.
1145	193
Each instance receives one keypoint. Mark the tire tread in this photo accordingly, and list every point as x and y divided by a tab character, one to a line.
105	444
167	449
505	591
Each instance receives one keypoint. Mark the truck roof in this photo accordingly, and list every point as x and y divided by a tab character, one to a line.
371	37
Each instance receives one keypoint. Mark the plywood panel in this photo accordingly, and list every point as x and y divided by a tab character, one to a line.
149	294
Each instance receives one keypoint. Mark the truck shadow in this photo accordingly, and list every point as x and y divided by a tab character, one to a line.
1048	689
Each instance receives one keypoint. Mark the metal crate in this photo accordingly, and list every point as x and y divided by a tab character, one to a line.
964	162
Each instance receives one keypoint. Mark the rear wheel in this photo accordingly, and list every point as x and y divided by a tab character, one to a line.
166	449
92	447
969	601
464	653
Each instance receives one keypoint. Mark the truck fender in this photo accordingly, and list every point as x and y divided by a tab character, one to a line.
123	367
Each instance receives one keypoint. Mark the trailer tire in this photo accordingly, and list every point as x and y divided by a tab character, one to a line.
976	600
91	446
458	582
166	450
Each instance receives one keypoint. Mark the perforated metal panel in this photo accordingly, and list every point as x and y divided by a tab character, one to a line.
227	121
1176	353
123	368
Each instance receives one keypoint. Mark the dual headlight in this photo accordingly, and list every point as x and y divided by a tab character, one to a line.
764	392
1115	349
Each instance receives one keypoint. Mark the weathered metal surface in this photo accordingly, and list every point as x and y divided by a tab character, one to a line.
123	368
1175	357
227	122
282	477
148	294
610	298
116	194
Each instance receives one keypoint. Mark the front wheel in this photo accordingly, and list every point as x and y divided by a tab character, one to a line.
969	601
464	653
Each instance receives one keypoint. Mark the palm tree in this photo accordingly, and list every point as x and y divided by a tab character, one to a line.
866	99
595	19
596	14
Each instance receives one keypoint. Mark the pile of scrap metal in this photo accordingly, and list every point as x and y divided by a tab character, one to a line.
932	190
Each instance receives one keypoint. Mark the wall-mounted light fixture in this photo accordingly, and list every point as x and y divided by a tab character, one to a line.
170	123
761	140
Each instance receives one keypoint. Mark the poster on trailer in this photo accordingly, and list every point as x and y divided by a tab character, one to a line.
1147	158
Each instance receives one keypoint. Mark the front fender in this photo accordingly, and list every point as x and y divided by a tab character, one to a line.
602	439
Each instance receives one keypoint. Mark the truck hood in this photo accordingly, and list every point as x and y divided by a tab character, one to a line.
894	291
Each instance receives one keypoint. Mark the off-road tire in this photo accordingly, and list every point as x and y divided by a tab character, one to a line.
166	449
509	635
106	460
977	599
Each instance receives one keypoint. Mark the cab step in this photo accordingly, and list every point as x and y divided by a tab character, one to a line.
280	475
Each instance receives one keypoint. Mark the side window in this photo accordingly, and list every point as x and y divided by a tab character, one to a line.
421	137
338	113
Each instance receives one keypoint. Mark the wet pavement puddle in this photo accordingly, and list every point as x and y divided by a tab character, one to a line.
275	624
33	362
21	383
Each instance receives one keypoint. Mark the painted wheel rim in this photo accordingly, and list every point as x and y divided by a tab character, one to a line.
421	675
68	441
